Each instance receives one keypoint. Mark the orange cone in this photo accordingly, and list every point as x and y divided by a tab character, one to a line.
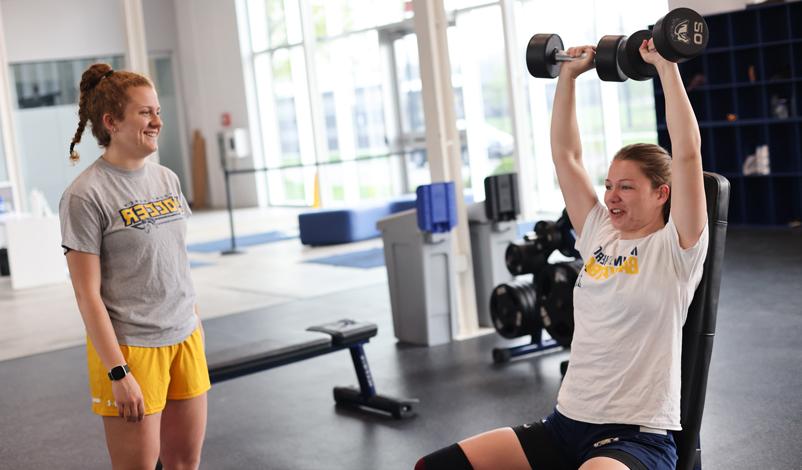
316	197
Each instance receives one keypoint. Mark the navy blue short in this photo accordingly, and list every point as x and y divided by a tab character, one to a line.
561	443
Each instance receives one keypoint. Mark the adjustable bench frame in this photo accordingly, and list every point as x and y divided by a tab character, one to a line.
364	397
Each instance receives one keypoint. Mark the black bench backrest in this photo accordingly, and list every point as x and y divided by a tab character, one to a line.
700	326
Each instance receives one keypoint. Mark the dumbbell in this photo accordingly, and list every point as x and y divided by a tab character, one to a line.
680	35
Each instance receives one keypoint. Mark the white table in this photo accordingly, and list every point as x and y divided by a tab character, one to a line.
35	256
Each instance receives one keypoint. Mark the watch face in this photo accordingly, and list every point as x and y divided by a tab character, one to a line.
118	372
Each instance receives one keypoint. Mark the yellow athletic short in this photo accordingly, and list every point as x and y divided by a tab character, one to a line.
175	372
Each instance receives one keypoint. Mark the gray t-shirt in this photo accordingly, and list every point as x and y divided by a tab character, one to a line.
135	220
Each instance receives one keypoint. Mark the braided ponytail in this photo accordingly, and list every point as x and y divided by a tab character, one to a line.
90	80
74	156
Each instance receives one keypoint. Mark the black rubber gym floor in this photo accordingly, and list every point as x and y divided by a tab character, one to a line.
285	418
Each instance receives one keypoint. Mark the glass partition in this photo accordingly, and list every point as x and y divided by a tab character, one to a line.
46	117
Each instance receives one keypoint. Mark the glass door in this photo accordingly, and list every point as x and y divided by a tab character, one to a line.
407	135
481	104
172	148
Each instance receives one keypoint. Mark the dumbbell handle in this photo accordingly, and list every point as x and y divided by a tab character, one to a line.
562	56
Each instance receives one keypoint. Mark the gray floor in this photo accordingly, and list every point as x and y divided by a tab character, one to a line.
285	418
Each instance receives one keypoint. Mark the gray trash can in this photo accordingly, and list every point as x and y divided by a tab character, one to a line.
421	275
489	242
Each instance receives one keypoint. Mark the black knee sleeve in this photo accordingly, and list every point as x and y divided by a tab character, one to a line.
447	458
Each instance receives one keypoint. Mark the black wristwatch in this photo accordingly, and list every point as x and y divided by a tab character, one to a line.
117	373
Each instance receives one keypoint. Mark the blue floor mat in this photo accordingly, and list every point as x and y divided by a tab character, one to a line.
242	242
199	264
365	259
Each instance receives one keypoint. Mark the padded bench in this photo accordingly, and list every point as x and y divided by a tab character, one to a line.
346	225
287	348
332	226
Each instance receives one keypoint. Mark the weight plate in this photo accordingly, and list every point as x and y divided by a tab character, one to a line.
630	60
555	291
513	309
680	35
540	55
607	59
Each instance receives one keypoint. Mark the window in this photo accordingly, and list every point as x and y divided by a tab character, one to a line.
609	114
52	83
359	94
343	94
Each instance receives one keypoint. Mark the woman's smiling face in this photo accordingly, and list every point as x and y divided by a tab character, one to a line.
632	202
138	133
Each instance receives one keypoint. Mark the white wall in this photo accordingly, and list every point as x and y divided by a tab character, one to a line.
39	30
43	161
213	82
160	24
708	7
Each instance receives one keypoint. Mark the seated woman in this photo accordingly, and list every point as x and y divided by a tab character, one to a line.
644	254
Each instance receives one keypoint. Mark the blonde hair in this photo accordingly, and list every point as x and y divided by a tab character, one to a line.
103	90
655	162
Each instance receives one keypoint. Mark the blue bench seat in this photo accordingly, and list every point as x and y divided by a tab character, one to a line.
332	226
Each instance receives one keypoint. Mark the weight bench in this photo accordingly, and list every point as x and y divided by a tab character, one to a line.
287	348
333	226
315	341
700	327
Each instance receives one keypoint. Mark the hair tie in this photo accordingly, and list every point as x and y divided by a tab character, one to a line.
74	156
107	74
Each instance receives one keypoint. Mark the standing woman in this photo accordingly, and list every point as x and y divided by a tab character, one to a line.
123	223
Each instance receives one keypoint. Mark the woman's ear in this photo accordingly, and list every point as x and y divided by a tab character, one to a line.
665	192
109	123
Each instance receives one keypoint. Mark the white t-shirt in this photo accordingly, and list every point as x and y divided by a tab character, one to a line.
630	302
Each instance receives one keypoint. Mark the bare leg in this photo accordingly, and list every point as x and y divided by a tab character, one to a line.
603	463
183	428
499	448
133	446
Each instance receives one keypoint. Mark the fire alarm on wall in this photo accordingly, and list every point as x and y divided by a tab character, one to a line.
225	119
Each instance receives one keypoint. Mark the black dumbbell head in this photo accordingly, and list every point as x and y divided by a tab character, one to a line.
540	55
630	60
607	59
680	35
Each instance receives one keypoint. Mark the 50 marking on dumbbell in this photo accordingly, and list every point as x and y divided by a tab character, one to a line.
680	35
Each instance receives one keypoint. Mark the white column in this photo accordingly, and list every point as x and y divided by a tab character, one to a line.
522	153
611	118
135	43
7	126
391	98
342	86
315	100
136	48
247	58
442	144
475	129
